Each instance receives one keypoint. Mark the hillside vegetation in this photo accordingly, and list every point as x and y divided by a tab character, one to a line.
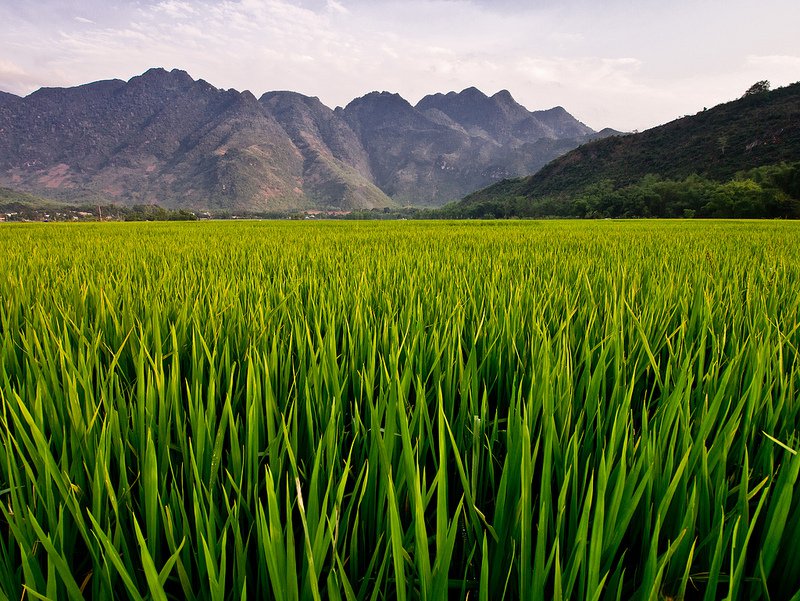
747	146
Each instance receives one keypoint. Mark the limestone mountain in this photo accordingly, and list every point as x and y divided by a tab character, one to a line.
336	167
448	145
166	138
502	119
159	138
412	158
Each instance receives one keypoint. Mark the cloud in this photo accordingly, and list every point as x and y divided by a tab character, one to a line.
15	79
775	60
338	7
413	47
175	8
565	38
9	68
604	64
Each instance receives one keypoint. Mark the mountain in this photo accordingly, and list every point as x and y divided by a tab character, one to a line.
412	158
159	138
165	138
450	144
336	167
757	130
502	119
6	98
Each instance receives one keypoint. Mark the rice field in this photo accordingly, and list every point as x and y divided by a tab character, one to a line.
396	411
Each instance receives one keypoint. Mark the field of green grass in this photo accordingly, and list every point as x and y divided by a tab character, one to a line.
427	410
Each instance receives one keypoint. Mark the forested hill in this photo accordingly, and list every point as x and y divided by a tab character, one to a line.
700	151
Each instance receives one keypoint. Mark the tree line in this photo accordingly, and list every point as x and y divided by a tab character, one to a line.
768	192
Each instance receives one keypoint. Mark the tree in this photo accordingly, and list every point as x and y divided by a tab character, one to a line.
758	88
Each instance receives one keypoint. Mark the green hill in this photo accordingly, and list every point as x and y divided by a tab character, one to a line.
754	139
10	198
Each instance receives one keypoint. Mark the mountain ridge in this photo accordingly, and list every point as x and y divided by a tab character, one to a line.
163	137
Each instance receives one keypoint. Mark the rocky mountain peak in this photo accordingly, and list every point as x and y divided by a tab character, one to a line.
162	80
504	96
380	110
159	74
470	97
284	100
383	100
498	117
472	93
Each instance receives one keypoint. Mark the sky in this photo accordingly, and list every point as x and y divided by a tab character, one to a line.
624	64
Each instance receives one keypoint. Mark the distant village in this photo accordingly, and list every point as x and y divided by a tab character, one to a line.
22	212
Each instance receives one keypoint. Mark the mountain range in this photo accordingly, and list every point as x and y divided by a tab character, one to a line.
165	138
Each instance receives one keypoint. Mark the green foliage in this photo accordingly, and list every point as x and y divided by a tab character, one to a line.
9	197
716	144
756	194
594	410
18	206
758	88
766	192
151	213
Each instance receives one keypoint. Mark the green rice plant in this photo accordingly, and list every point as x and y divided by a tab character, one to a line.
380	411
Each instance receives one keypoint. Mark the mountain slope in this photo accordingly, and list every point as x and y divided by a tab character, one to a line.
450	144
159	138
412	158
165	138
336	167
756	130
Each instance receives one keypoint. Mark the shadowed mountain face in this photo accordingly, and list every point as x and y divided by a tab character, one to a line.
413	158
165	138
159	138
336	169
6	98
451	144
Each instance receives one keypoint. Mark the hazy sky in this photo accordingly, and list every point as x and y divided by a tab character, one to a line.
618	63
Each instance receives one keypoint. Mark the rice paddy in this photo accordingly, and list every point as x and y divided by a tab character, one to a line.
376	411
